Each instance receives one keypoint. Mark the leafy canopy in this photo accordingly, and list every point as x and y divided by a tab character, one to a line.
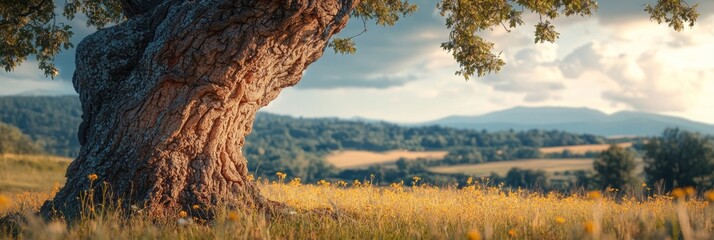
31	27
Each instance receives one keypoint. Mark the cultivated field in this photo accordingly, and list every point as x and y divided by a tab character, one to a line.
581	149
502	167
357	159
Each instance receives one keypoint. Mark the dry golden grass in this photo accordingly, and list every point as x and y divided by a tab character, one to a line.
362	211
502	167
582	149
357	159
19	173
37	158
358	210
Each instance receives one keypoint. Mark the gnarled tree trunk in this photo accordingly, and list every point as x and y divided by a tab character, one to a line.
169	96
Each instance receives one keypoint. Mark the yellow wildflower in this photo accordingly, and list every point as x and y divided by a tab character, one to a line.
295	182
473	235
512	233
323	183
5	202
678	193
416	179
559	220
183	214
195	207
644	184
469	181
92	177
281	175
589	227
691	192
594	195
233	216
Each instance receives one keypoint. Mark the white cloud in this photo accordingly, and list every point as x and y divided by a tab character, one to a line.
646	71
531	71
27	79
636	65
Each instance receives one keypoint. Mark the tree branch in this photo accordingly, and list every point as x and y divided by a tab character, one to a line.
31	10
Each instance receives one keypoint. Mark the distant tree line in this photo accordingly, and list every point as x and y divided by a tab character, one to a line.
678	158
298	146
328	134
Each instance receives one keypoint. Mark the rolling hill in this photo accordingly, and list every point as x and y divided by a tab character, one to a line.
576	120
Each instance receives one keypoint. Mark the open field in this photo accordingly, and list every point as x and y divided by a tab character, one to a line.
31	173
398	212
502	167
357	210
356	159
582	149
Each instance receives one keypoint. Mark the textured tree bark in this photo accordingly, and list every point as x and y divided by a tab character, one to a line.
169	96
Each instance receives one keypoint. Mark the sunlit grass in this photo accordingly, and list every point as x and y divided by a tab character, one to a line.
338	210
21	173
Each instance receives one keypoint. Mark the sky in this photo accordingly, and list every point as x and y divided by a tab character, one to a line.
613	61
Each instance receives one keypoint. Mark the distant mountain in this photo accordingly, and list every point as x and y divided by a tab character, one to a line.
575	120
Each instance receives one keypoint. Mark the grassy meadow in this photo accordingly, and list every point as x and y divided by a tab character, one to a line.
358	210
361	211
19	173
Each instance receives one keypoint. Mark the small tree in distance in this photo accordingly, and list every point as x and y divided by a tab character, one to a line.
680	158
527	178
615	167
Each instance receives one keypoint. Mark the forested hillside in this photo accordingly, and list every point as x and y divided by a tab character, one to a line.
51	121
297	146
